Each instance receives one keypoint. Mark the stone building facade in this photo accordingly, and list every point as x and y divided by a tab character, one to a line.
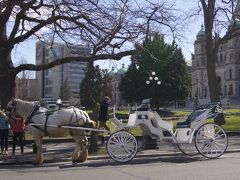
227	68
116	78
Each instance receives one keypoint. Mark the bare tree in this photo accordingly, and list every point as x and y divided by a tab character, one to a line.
220	20
23	82
109	28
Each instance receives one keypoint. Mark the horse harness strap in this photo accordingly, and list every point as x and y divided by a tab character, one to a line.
77	120
45	124
34	110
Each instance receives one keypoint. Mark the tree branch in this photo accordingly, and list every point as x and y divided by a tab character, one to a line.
89	58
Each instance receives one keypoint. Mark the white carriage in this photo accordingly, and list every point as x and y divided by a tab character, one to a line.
209	138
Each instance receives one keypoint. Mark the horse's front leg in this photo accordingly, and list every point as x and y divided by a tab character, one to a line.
37	136
39	155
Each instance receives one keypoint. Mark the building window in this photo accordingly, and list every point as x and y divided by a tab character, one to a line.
225	90
230	90
230	74
205	92
203	61
221	58
239	89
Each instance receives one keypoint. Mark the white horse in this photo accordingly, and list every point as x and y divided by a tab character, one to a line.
50	124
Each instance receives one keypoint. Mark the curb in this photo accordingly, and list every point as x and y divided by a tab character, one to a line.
138	155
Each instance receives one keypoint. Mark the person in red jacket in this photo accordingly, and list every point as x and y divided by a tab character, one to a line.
17	127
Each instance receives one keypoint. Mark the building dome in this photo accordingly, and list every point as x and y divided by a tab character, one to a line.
201	32
123	70
112	72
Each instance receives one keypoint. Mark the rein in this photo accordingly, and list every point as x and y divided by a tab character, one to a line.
31	114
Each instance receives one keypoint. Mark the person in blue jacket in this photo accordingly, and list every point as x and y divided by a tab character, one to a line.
4	132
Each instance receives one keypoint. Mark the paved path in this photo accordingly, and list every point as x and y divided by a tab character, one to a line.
61	152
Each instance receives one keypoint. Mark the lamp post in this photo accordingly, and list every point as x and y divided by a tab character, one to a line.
59	103
154	80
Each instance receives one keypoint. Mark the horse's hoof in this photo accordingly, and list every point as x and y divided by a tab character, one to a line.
74	161
36	163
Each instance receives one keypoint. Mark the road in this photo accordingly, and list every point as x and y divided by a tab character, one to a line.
165	167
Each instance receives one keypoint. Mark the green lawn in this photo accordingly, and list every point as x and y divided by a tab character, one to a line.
232	110
232	123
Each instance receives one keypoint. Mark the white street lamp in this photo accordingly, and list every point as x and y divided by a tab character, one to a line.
59	103
154	80
147	82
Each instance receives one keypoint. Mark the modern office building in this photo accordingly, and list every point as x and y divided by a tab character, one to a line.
51	80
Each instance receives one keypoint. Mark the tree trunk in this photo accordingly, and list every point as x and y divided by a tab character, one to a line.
211	71
211	51
7	76
7	88
94	135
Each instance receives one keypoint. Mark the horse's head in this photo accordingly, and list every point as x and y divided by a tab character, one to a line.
11	107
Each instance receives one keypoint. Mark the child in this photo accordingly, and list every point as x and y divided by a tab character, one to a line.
4	132
17	127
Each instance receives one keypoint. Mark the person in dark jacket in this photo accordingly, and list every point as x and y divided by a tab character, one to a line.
4	132
103	113
17	127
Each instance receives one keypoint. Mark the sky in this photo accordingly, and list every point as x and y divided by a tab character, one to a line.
27	50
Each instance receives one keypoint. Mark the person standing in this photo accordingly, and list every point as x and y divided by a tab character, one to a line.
103	113
17	127
4	132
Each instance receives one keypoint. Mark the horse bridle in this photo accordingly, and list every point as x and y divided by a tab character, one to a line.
11	109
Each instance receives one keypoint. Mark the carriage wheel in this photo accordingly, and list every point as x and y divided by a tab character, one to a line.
122	146
211	140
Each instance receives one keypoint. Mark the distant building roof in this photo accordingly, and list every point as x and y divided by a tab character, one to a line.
112	72
201	32
123	70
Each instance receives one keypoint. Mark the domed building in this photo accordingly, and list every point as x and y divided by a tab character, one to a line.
116	78
227	68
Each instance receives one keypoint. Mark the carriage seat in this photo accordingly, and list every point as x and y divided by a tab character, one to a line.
193	116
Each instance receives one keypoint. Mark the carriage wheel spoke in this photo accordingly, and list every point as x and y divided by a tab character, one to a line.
122	146
211	140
